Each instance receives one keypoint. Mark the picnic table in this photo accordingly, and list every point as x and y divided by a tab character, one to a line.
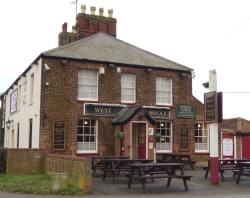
152	171
231	164
176	157
97	162
244	170
116	166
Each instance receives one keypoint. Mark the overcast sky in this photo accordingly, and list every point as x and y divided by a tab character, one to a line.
201	34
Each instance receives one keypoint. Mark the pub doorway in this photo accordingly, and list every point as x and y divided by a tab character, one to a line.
139	140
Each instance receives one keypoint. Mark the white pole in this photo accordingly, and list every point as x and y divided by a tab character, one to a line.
213	130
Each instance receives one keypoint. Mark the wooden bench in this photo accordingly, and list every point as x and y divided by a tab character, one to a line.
161	176
176	158
116	166
97	162
153	171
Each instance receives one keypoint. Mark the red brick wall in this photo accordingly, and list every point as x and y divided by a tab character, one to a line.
24	161
59	102
78	169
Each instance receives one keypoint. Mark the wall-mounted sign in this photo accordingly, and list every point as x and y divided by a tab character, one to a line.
13	101
213	107
158	113
59	135
102	109
227	147
183	137
150	131
185	111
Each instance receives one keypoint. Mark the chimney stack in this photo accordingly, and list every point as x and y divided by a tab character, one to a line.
101	10
88	24
64	27
110	11
93	9
83	9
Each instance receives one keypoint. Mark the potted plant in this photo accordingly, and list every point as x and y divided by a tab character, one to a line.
120	135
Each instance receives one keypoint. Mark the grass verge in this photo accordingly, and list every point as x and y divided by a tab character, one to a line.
32	184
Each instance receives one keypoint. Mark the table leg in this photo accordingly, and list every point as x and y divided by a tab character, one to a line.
207	171
222	175
169	181
104	170
130	177
239	175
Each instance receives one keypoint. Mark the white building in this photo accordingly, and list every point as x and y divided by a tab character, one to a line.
22	113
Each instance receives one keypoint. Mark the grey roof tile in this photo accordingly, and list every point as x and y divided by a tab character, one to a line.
105	48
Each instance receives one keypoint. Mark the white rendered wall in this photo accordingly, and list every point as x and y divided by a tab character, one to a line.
26	110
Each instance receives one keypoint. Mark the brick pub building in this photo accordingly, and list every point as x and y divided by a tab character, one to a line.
98	95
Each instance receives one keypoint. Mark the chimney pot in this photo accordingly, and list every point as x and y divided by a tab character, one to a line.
83	9
93	9
101	10
64	27
110	11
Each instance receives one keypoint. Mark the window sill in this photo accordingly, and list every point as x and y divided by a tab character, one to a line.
201	152
164	151
164	105
128	102
86	152
87	100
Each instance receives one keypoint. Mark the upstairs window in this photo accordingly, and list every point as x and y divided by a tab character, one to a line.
13	101
163	91
31	88
88	85
128	88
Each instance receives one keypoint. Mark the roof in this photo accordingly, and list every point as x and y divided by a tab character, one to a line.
127	113
106	48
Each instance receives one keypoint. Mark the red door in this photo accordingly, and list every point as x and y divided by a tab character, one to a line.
246	146
227	146
141	141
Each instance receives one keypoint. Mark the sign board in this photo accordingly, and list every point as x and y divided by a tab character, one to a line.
183	137
150	131
158	113
59	135
227	147
213	107
102	109
185	111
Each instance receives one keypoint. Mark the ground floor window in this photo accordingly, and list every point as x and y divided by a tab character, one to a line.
201	137
87	136
163	136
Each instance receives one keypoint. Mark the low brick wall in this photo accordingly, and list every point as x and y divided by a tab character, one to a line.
77	168
24	161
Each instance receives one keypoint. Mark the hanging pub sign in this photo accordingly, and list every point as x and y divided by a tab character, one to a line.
185	111
158	113
213	107
102	109
59	135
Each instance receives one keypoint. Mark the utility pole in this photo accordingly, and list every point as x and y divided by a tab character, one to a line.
213	130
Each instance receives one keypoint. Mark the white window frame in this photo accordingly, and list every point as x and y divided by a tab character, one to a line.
127	101
171	91
32	88
13	101
203	129
97	85
171	138
96	130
